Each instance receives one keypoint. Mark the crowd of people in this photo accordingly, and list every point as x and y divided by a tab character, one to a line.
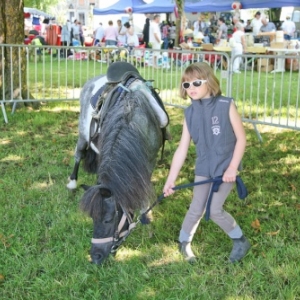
161	34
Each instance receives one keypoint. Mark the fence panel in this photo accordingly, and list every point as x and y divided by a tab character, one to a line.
262	97
267	90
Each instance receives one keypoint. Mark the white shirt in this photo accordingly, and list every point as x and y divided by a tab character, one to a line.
288	27
237	36
256	25
122	35
154	28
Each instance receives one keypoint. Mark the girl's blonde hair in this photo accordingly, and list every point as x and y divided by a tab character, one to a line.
202	71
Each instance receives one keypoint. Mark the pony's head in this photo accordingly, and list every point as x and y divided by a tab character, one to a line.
112	224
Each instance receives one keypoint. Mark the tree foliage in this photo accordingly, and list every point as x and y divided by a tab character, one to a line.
40	4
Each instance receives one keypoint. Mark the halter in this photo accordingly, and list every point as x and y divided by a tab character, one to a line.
119	236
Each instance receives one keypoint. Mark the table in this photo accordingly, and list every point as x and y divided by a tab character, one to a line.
222	49
196	48
257	50
280	62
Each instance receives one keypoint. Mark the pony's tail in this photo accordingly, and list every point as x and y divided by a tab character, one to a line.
89	162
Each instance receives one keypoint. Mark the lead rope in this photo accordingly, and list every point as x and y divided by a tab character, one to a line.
217	181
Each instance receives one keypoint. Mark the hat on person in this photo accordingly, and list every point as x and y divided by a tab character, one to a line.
257	13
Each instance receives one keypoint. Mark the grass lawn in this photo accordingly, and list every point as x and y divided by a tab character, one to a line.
45	239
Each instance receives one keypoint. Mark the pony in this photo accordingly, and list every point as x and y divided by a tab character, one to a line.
119	139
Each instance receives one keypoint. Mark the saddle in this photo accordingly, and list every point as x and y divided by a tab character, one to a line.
120	76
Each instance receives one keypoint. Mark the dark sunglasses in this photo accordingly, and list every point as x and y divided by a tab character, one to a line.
186	85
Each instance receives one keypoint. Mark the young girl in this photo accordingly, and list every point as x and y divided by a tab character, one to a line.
214	125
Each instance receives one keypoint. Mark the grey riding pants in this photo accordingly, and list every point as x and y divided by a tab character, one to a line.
198	207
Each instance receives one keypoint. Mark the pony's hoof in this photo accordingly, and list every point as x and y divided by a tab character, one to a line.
72	184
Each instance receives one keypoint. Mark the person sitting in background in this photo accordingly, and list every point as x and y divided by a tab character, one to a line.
248	27
267	31
288	27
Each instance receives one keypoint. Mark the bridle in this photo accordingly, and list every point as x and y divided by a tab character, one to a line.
119	235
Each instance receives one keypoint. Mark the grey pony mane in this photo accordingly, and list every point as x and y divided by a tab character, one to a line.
125	163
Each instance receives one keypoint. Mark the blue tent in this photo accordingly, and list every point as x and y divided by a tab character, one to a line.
167	6
138	6
225	5
157	6
117	8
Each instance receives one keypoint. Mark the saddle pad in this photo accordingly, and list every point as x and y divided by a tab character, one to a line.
162	116
99	86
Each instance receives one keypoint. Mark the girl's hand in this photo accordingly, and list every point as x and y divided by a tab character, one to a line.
230	174
168	189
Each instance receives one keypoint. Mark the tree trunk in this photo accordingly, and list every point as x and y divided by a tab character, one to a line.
179	21
13	59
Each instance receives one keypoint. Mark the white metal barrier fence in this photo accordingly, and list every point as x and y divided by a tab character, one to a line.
267	89
58	74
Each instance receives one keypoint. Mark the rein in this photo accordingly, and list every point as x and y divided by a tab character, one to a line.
217	181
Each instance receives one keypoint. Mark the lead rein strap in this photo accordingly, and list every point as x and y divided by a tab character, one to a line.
217	181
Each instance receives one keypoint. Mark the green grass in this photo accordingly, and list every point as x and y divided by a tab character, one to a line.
45	239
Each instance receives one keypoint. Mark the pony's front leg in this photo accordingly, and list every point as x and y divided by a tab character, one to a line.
79	155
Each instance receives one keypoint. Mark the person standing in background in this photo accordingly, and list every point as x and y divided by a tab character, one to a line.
288	27
146	31
222	30
81	37
122	33
111	34
235	21
256	24
165	34
98	35
75	31
238	45
155	39
201	26
172	35
65	38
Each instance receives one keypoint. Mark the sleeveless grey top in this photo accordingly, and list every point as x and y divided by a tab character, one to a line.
209	125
